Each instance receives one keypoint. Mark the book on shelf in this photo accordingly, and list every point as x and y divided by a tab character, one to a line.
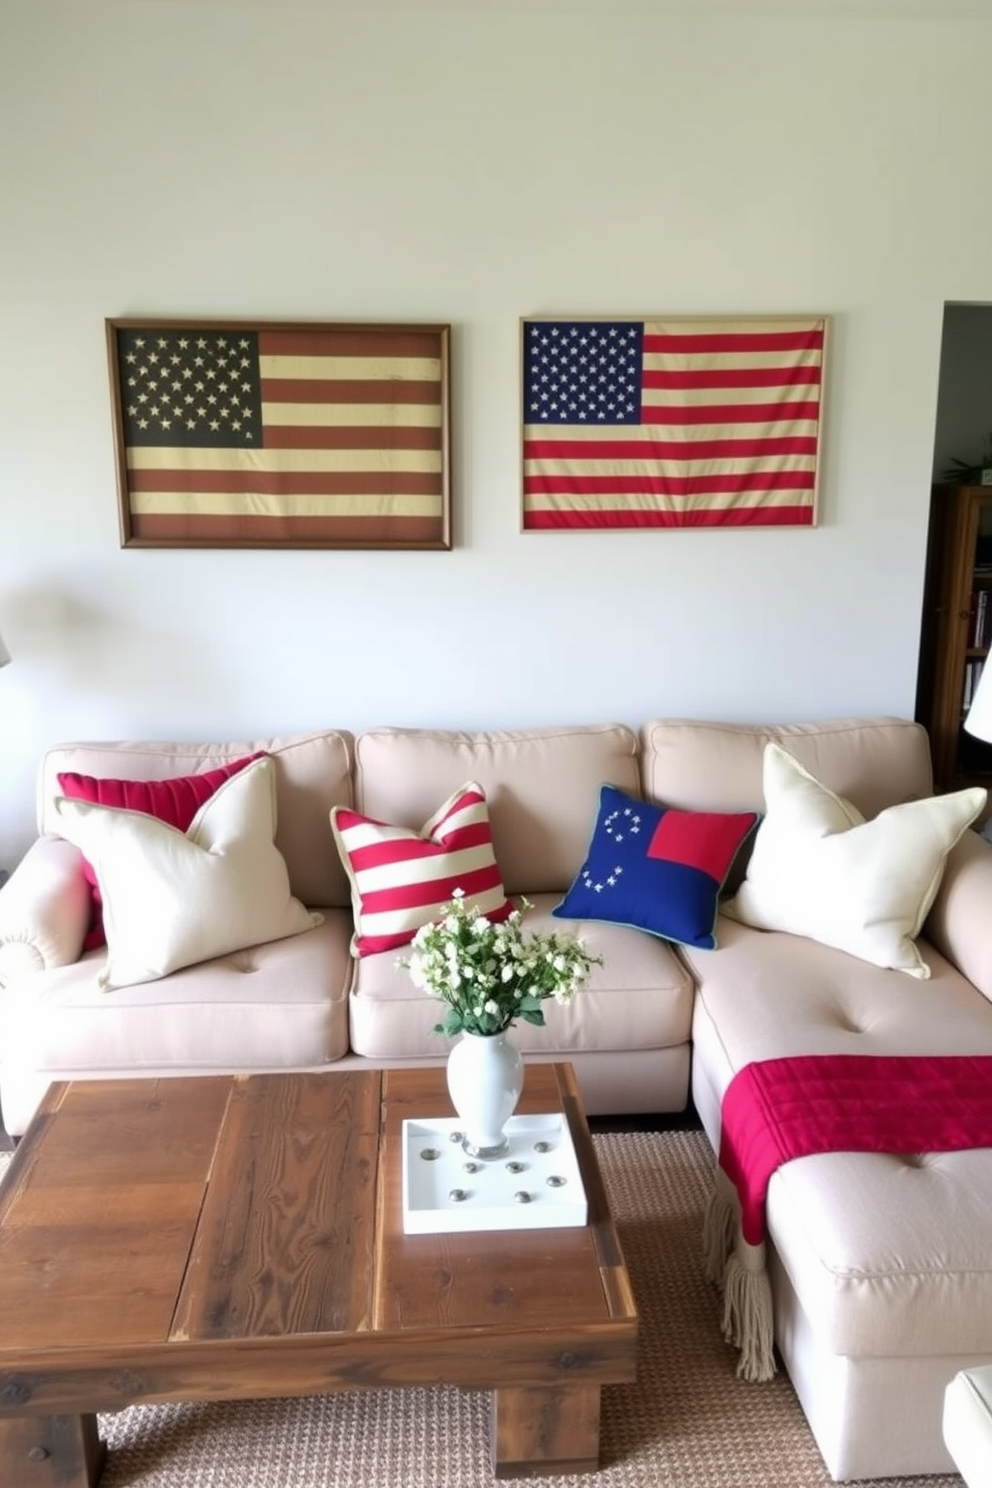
979	619
972	672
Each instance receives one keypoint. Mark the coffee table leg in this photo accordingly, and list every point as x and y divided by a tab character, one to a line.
545	1430
51	1451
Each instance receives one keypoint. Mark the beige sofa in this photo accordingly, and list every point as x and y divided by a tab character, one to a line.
303	1002
881	1267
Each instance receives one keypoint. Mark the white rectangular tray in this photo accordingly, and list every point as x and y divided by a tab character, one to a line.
490	1202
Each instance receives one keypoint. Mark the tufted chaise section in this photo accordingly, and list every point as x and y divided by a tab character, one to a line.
880	1264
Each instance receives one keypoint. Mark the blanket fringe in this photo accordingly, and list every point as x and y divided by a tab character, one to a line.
747	1313
719	1228
739	1270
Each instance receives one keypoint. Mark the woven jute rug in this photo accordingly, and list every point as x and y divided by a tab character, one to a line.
687	1422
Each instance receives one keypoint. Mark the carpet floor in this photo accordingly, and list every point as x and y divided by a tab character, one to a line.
686	1422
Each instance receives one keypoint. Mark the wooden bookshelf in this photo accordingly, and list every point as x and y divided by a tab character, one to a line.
956	631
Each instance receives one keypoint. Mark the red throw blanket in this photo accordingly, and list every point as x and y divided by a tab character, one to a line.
779	1109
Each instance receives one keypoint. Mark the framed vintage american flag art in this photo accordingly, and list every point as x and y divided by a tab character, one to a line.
662	421
271	434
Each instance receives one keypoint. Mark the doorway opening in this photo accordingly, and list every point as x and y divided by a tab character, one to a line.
956	620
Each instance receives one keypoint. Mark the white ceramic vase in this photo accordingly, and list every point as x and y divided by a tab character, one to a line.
485	1078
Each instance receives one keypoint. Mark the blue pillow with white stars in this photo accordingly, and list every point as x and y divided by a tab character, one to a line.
656	868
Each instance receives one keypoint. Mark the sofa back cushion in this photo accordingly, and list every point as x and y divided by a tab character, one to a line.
313	773
872	762
541	785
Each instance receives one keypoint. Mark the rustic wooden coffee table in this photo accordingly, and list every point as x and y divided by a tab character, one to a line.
219	1238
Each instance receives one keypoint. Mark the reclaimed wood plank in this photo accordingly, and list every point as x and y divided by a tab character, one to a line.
314	1364
98	1224
613	1269
503	1279
285	1241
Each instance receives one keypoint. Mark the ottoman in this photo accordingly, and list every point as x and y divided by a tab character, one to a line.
968	1424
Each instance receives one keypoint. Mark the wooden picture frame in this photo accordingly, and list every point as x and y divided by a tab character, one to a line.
669	421
280	434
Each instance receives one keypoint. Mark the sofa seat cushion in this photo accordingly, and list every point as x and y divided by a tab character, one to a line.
271	1006
882	1250
889	1255
640	998
765	994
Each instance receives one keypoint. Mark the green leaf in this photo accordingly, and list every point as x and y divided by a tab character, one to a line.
452	1024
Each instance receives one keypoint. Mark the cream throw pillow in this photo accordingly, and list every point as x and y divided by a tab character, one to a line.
820	870
173	898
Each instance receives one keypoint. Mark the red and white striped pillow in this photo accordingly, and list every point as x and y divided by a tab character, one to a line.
401	879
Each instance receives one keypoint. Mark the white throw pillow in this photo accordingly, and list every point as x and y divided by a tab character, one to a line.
820	870
173	898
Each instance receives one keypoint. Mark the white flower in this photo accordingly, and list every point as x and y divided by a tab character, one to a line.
489	975
417	976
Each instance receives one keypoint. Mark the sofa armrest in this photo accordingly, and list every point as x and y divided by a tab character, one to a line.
44	910
960	921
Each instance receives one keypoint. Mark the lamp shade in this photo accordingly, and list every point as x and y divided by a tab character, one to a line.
4	653
979	717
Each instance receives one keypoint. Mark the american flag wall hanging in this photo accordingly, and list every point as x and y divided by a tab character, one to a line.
268	434
671	422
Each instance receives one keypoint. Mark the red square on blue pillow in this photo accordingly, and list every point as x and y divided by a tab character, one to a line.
707	840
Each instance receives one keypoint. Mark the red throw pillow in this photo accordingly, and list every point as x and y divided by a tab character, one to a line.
401	880
173	801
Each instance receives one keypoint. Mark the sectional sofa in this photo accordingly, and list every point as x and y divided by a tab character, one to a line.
880	1266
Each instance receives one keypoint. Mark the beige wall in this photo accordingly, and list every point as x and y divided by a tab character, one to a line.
473	163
